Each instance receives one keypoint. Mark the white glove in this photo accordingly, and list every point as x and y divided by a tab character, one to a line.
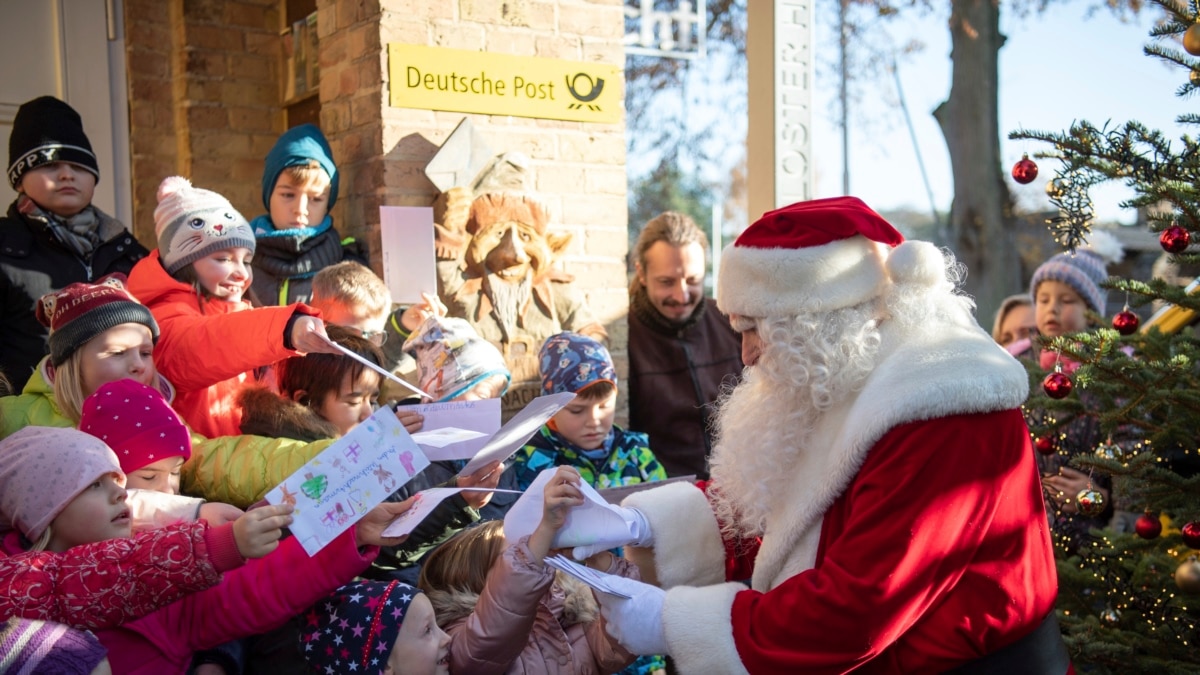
639	535
637	622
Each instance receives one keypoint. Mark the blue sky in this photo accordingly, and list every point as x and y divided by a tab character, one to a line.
1056	67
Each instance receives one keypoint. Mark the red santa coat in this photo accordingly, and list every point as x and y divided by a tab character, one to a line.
915	539
209	350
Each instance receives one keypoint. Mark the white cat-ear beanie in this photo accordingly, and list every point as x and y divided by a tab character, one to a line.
191	223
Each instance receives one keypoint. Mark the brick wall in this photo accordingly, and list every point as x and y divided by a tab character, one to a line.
204	98
579	168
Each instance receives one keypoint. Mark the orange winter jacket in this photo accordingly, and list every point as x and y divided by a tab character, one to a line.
209	349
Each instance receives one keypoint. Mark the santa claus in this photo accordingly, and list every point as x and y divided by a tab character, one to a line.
872	478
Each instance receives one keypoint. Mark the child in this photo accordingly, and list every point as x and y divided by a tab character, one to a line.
351	295
98	333
296	238
30	646
152	444
194	283
1064	289
47	477
52	236
1015	325
582	434
400	623
74	493
508	612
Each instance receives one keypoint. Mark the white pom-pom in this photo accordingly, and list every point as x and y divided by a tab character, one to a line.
1105	245
171	185
916	262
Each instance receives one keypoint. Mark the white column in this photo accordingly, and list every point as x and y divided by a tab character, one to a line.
779	44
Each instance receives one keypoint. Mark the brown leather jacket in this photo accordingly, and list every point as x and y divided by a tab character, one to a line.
529	621
675	376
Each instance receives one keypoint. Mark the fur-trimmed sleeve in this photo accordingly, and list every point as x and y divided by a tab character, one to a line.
688	549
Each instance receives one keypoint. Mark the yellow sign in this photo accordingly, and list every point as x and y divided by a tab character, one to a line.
434	78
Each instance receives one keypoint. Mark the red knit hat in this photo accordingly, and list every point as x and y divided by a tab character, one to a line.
817	255
81	311
137	423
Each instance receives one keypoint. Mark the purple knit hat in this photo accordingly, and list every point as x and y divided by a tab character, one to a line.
358	625
42	469
569	362
30	646
1084	270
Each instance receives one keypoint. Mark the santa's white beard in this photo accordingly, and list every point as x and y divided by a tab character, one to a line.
809	364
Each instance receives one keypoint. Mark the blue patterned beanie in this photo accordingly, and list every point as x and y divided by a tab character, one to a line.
569	362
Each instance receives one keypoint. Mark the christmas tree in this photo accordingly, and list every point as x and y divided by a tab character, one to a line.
1131	602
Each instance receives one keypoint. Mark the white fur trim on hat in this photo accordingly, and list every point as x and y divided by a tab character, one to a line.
766	282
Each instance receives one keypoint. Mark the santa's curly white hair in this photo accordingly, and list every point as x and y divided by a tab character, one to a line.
810	363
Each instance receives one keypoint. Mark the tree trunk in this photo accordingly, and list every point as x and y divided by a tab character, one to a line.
980	230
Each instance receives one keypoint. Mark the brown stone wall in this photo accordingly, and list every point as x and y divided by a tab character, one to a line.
204	98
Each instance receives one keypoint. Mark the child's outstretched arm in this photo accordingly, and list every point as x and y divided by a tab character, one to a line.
562	494
114	581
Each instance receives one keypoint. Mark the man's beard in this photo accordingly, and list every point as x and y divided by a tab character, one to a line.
508	299
809	365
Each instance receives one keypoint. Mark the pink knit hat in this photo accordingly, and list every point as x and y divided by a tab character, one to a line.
42	469
137	423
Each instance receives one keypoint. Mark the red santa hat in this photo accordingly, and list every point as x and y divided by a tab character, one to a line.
818	255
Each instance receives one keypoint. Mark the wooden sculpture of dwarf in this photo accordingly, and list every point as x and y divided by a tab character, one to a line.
496	269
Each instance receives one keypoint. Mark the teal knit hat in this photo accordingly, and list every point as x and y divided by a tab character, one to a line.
297	146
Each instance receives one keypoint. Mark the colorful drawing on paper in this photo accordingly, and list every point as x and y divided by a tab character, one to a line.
349	478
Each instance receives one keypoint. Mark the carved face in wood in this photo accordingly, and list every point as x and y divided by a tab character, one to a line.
512	251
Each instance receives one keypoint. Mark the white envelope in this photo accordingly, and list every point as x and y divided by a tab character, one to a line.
593	522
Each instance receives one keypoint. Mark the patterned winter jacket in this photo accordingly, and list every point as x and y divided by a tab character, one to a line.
111	582
255	598
236	470
629	459
209	350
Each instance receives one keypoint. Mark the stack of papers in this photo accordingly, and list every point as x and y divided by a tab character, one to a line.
596	579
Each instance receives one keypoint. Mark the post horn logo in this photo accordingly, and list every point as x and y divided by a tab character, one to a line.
593	92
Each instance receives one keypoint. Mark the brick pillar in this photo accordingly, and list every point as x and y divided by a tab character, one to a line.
579	167
204	90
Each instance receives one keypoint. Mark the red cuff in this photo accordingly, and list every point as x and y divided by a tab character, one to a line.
222	547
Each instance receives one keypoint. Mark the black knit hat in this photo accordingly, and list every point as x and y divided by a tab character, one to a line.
47	130
81	311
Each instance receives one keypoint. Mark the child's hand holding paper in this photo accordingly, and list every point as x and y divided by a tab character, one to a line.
594	525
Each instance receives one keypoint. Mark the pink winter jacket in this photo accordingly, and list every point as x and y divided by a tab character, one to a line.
209	350
253	599
110	582
526	621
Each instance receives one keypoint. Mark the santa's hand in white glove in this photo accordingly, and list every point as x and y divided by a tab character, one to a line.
639	535
637	622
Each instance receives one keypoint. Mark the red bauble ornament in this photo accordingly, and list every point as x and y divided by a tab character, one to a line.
1148	526
1191	535
1174	239
1126	322
1057	385
1025	171
1044	445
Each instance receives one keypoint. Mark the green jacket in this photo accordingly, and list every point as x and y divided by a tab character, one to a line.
236	470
